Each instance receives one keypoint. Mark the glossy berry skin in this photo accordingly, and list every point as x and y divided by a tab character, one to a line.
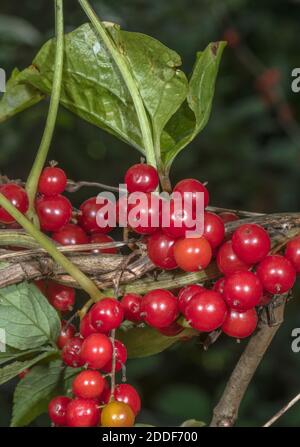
251	243
192	254
227	260
180	221
186	294
192	186
96	351
219	286
92	213
53	181
141	177
227	216
57	410
206	311
277	274
128	395
53	212
117	414
71	353
292	253
61	297
98	238
144	214
17	197
66	333
88	384
106	315
160	308
160	249
70	234
242	291
214	229
82	413
121	357
240	324
131	303
86	328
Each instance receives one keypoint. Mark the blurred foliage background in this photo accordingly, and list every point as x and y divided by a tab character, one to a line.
249	154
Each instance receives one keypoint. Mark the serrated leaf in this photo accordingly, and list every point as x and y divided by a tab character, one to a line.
193	423
39	386
194	113
145	341
27	317
18	97
13	369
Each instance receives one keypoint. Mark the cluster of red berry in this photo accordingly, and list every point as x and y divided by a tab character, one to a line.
251	277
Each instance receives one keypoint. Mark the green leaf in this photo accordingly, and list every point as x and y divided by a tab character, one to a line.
18	97
13	354
194	113
38	387
27	317
145	341
193	423
13	369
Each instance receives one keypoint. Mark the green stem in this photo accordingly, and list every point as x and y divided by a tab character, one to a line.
85	283
122	65
33	178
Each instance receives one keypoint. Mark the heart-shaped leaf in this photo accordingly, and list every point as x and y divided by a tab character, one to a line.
27	317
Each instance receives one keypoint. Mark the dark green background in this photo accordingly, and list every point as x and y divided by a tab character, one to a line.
249	154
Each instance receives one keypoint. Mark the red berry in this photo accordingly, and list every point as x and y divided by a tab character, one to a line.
206	311
219	285
181	219
61	297
86	327
141	177
121	357
227	260
57	410
66	333
41	285
53	181
191	186
23	373
106	315
292	253
88	385
129	395
226	216
240	324
186	294
82	413
70	234
93	216
17	196
242	290
214	230
96	351
71	353
172	330
131	303
144	213
251	243
277	274
192	254
53	212
98	238
160	251
160	308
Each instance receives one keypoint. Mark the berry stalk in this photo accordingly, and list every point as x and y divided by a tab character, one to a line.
33	178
